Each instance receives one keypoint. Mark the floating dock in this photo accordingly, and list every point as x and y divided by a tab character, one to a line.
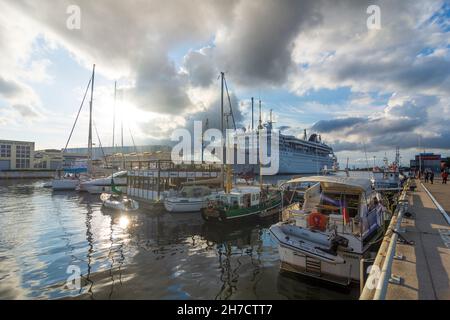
418	265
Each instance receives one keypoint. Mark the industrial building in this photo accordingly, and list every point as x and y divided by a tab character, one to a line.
16	155
426	161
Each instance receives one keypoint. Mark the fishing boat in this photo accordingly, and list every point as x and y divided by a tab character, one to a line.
243	202
188	199
339	223
239	202
388	178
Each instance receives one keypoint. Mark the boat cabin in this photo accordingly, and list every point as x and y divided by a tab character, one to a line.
241	198
347	205
194	191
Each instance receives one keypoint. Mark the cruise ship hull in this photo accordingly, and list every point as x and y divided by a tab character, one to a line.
294	164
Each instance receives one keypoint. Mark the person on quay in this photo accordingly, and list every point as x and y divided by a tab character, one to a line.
444	177
431	177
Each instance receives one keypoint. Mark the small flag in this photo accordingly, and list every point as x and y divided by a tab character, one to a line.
346	216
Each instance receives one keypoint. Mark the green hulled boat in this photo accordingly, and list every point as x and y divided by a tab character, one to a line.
243	202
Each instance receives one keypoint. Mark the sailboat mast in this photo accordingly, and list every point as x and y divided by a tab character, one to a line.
221	129
90	119
259	147
114	117
114	126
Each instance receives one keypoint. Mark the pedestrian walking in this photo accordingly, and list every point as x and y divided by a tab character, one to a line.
431	177
426	176
444	177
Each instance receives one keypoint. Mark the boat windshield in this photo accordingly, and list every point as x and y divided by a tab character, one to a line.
338	203
195	192
120	174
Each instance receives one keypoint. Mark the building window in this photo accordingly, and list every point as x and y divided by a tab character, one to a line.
5	151
22	163
23	151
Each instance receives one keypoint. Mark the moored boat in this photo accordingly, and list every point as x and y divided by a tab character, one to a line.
243	202
98	186
339	223
188	199
119	202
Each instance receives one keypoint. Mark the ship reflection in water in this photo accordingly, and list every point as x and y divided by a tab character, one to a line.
45	236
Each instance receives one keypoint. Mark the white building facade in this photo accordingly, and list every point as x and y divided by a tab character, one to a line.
16	155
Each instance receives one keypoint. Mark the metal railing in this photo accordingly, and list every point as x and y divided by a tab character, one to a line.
386	254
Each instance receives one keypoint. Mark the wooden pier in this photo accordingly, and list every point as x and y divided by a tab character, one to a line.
420	269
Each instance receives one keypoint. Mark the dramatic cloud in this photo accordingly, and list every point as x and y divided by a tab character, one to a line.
325	126
199	65
399	125
256	46
171	52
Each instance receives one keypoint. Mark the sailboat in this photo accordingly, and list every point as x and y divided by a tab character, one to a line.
116	200
101	185
244	201
69	178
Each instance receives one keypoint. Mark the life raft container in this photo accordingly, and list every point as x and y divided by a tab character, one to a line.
317	221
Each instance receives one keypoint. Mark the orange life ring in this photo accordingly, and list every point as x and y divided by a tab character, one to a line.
317	221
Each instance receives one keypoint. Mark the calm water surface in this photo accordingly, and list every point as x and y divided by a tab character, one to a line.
139	255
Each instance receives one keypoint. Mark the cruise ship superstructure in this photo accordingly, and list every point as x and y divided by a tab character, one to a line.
296	156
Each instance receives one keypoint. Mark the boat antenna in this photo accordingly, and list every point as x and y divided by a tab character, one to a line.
260	116
90	118
252	115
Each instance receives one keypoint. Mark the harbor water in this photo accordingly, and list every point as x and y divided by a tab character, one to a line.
46	237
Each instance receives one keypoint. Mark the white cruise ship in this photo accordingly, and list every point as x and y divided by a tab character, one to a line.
298	156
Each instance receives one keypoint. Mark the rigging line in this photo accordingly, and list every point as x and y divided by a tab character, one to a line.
100	143
229	102
134	145
78	114
114	115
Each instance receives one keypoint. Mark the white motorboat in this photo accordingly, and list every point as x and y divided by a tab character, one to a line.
65	184
188	199
118	202
338	224
98	186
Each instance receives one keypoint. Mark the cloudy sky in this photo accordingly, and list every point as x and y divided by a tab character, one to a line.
315	63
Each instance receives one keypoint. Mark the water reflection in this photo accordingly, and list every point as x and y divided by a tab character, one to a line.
143	254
